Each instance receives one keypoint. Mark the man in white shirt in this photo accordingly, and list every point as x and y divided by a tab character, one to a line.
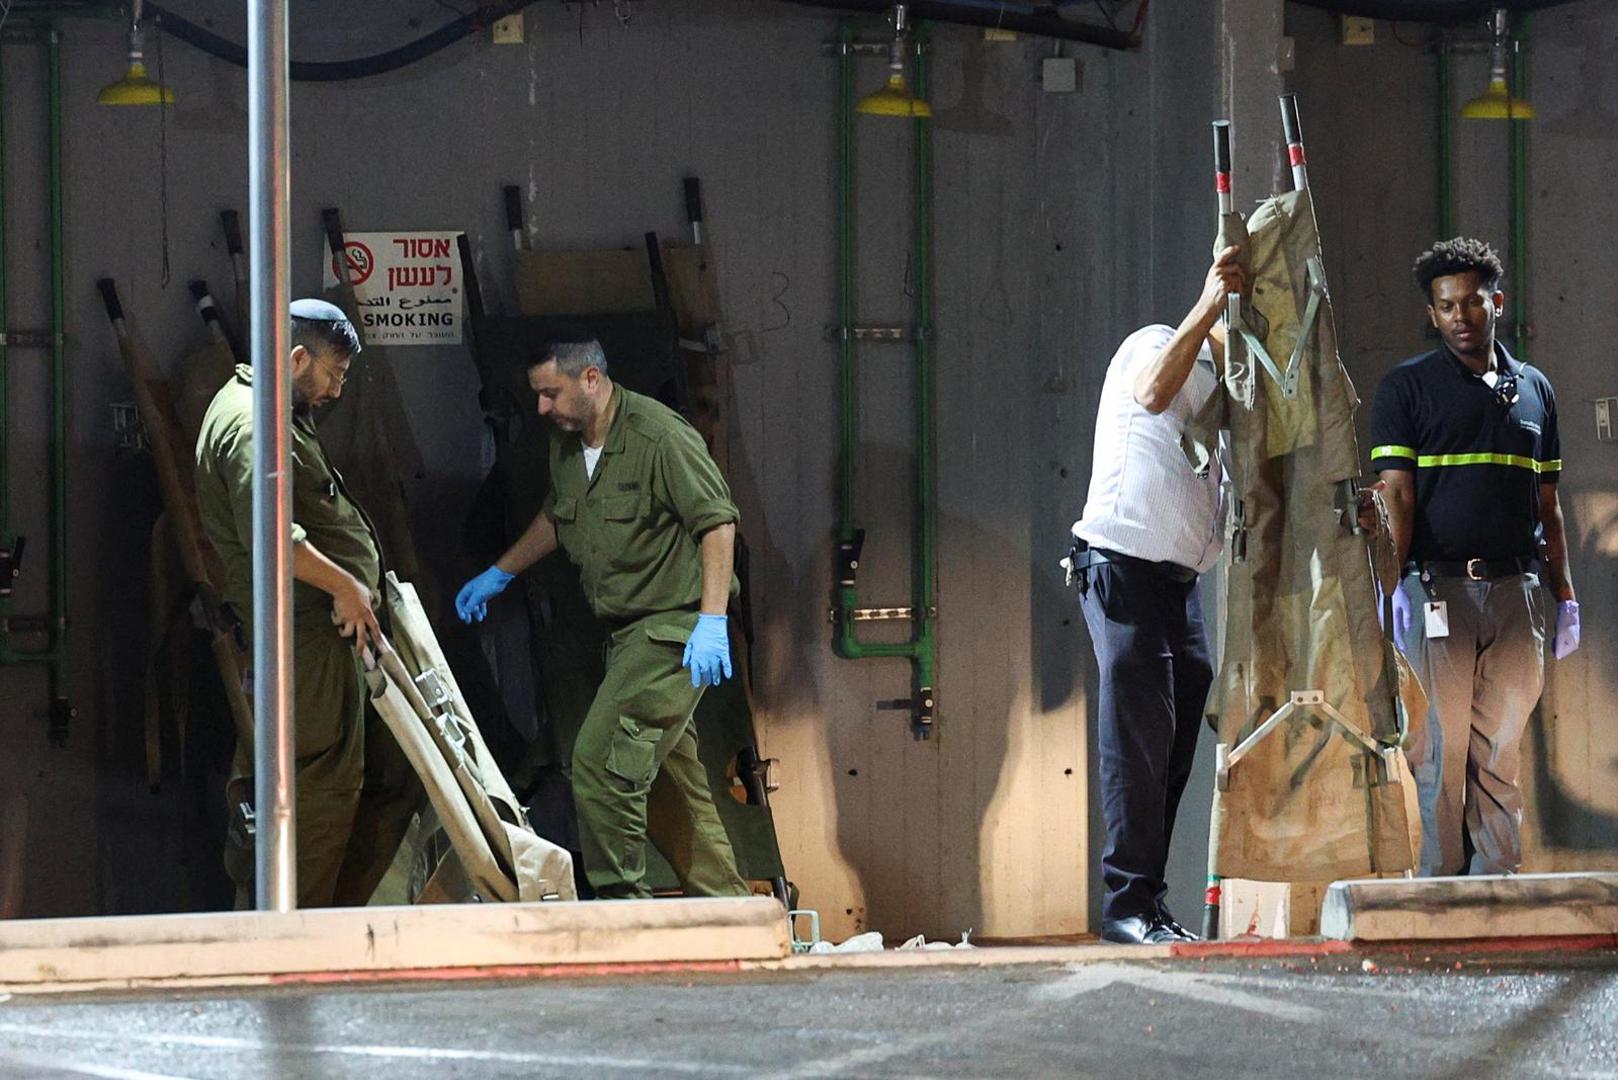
1150	526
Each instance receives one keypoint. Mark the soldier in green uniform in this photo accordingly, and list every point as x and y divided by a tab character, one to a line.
355	790
642	509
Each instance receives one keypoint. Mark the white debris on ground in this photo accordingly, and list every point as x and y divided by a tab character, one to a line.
871	942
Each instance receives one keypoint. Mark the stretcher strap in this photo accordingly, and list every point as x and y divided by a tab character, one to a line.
1315	275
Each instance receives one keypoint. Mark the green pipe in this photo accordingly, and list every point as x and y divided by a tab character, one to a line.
1519	199
926	659
921	649
54	654
1446	206
847	643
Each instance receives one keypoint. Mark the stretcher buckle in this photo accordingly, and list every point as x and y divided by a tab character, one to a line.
433	688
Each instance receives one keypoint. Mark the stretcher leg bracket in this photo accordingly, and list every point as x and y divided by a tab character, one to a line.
1226	757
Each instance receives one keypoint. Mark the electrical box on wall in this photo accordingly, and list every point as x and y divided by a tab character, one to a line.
1606	416
1060	75
1358	30
508	31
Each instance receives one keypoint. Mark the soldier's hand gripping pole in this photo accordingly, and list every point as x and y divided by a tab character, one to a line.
1294	136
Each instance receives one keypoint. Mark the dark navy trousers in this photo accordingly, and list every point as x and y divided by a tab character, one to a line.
1152	652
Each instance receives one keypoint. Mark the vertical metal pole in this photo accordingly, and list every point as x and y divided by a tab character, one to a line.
1518	89
845	280
58	638
926	655
5	375
268	168
1446	212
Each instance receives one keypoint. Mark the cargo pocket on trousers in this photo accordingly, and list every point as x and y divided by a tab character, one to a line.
633	752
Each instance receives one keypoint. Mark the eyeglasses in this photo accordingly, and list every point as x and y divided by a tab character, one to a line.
340	376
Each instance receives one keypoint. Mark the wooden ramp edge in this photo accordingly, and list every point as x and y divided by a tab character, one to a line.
254	948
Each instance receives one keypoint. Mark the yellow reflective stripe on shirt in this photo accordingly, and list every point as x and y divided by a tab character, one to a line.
1432	461
1393	451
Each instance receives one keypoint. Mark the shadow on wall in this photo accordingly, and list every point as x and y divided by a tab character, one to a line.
920	822
1568	821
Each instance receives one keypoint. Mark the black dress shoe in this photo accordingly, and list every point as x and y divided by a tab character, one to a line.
1166	919
1137	930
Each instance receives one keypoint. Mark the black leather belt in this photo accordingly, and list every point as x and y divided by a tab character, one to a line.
1475	569
1176	573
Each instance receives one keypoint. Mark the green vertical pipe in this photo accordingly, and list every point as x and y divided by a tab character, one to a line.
846	642
1519	199
1446	206
58	372
923	570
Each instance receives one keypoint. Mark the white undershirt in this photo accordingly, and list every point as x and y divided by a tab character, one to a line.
592	454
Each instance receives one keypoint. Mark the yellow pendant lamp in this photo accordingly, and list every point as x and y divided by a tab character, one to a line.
1496	102
895	98
136	87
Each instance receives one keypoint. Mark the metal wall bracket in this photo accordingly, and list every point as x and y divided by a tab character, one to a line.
804	944
62	714
128	427
889	335
31	339
11	564
882	614
883	49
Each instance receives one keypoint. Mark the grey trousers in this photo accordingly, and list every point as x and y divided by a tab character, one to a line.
1482	683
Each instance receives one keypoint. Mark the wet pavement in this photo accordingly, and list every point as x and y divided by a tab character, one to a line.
1385	1015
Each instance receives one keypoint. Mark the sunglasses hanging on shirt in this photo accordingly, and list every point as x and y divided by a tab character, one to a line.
1505	390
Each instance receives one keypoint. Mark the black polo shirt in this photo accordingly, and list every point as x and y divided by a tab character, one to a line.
1478	461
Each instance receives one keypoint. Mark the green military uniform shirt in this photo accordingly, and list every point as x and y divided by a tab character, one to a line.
634	527
322	512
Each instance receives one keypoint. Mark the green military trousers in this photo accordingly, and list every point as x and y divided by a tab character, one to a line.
355	789
636	775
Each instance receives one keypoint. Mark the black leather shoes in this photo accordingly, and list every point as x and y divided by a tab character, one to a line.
1167	922
1138	930
1166	919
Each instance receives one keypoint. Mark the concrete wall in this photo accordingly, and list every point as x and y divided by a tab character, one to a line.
1062	223
1373	163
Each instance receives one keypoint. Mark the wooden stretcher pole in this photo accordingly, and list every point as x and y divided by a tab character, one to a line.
179	502
513	197
231	223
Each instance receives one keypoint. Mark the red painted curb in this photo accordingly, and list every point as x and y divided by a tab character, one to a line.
1261	947
1447	947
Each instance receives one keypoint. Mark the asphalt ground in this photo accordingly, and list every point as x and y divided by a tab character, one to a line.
1383	1015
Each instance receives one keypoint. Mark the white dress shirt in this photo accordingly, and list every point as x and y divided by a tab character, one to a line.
1145	499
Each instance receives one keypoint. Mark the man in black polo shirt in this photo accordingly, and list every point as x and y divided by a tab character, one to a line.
1466	443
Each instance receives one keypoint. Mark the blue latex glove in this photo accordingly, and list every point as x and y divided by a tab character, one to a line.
472	602
707	653
1403	615
1567	629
